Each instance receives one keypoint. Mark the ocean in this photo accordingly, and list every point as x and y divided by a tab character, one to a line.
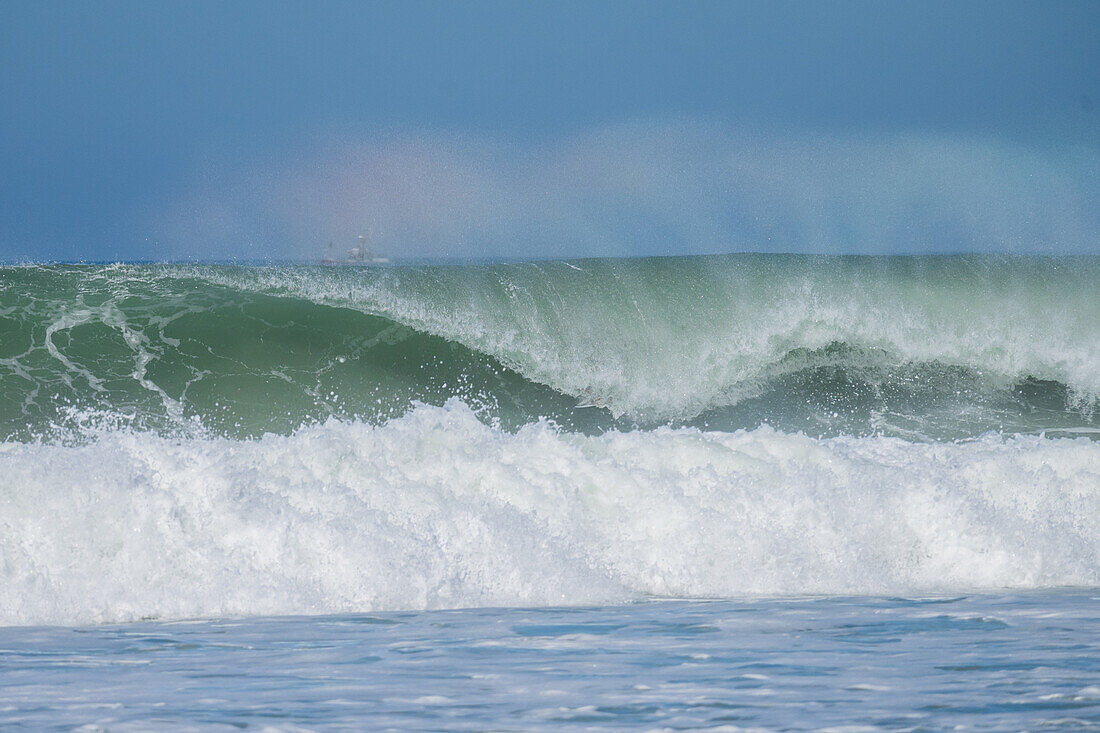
740	492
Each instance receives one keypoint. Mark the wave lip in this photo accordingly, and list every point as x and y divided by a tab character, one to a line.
439	510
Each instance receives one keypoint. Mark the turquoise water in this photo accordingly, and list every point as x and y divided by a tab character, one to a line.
986	662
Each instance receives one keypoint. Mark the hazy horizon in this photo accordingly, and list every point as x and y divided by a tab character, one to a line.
261	132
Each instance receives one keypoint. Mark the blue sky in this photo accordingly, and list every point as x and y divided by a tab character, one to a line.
136	130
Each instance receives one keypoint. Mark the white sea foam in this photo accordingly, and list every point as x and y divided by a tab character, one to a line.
436	509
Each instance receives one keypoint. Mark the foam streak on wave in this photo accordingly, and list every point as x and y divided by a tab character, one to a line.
437	509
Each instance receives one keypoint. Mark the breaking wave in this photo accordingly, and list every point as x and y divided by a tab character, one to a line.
920	347
184	441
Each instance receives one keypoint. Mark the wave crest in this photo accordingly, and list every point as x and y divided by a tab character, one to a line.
935	347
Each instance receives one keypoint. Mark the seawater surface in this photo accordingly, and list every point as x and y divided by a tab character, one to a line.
546	448
989	662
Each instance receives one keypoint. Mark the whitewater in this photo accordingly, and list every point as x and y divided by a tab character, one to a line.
438	510
552	483
202	440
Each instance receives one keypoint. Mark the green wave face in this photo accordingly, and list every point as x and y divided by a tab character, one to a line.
165	352
922	348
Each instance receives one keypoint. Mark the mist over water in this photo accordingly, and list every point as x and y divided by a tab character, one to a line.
648	187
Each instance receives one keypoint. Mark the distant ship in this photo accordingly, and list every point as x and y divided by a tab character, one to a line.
357	255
